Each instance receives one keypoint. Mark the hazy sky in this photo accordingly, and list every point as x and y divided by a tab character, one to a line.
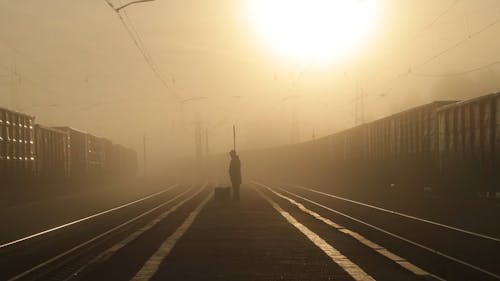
78	66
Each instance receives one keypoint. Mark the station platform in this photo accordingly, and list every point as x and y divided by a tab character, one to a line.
244	240
252	240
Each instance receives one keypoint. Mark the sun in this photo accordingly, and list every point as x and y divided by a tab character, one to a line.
313	30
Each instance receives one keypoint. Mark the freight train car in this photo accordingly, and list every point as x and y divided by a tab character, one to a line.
52	155
95	156
108	160
450	146
402	148
469	144
124	162
35	154
132	165
16	146
87	155
78	143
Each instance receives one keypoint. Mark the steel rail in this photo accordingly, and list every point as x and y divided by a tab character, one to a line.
95	238
399	237
11	243
472	233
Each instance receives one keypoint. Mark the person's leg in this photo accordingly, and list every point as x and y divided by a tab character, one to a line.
236	191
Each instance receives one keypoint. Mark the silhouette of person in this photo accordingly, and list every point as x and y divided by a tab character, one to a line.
235	174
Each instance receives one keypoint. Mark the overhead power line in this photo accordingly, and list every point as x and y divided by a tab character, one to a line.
458	43
117	9
139	43
459	73
426	27
411	71
149	59
25	78
437	18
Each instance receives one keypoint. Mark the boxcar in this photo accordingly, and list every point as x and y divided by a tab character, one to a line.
16	146
95	156
107	158
124	161
131	169
469	141
52	154
402	147
78	143
378	152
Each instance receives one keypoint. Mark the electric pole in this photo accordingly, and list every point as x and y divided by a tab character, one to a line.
198	138
295	130
206	142
234	138
145	156
14	94
359	105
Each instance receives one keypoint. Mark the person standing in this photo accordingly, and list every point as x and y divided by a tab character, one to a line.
235	174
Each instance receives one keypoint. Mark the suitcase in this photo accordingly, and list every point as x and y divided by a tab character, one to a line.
222	194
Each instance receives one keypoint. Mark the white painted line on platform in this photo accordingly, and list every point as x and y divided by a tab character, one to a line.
472	233
354	271
84	244
388	254
415	269
150	268
362	239
85	218
421	246
115	248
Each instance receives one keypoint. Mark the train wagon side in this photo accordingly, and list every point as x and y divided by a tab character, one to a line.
469	141
95	157
107	158
377	152
124	161
78	143
131	163
52	155
410	140
16	147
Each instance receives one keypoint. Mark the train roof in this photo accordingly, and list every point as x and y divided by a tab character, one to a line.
468	101
439	103
17	112
67	128
121	146
51	129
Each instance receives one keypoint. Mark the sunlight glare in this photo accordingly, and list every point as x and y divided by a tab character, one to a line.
312	30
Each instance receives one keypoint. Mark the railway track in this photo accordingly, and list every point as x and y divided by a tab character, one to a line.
427	248
72	250
365	242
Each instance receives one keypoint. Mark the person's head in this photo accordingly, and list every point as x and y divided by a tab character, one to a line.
232	153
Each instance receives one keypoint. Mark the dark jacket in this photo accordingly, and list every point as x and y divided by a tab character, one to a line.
235	170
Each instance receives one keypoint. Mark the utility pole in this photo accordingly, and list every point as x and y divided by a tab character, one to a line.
197	138
206	142
234	137
145	156
295	130
14	94
359	105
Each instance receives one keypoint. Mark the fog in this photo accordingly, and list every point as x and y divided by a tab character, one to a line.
73	63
